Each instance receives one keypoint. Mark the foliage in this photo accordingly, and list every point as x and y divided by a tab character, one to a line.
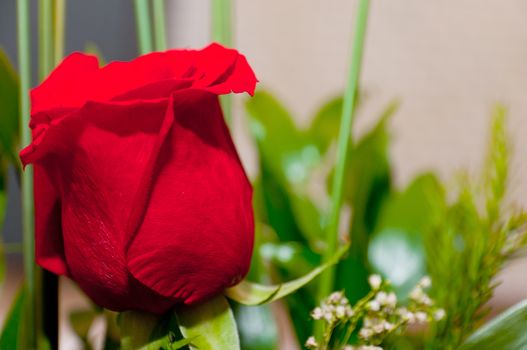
475	237
505	332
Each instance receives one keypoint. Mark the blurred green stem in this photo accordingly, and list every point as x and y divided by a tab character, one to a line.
348	112
222	33
160	34
24	64
144	31
60	17
45	33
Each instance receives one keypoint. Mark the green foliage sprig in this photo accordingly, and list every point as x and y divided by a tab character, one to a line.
475	237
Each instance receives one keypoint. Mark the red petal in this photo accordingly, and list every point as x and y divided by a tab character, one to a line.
98	153
49	246
78	79
196	234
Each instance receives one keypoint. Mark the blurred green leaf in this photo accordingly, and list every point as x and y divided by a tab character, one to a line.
210	325
257	327
10	338
396	249
368	185
293	259
248	293
8	109
309	219
326	124
81	322
287	158
505	332
136	328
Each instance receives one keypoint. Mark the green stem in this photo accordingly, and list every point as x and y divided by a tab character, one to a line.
60	16
24	64
160	34
222	33
144	32
327	279
45	33
222	21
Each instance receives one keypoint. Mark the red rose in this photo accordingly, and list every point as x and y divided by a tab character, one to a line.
140	196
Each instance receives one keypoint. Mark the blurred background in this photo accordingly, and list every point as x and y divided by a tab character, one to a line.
447	62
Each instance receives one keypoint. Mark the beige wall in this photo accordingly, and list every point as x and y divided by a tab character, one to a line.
447	62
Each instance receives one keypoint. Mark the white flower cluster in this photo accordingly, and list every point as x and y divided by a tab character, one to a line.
378	311
335	308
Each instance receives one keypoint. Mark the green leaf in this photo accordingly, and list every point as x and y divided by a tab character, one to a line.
326	123
257	327
8	109
368	185
136	328
210	325
402	224
10	338
287	158
505	332
248	293
81	322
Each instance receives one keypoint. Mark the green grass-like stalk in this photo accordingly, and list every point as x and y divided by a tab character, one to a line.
24	64
144	29
160	33
348	112
45	33
59	24
222	33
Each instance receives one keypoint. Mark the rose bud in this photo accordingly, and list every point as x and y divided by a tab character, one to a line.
140	196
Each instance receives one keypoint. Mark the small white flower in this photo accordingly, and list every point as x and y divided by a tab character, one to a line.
425	300
407	315
365	333
335	297
425	282
329	317
378	328
421	316
381	298
349	312
340	311
375	281
391	300
311	343
374	305
388	326
416	293
317	313
439	314
349	347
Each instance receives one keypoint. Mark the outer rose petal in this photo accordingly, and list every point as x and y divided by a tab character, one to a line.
196	235
78	79
108	145
49	246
